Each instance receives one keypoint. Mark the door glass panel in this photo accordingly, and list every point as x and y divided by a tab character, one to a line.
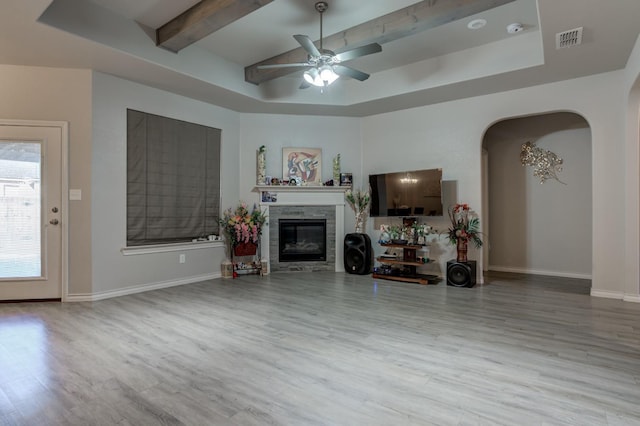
20	229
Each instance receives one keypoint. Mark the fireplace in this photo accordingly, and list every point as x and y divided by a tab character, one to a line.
313	203
302	240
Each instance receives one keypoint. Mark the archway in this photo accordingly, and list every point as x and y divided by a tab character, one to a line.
539	228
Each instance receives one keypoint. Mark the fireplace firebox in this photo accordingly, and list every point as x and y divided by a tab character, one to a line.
302	240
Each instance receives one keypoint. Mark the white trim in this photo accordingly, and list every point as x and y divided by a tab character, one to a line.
607	294
631	298
632	201
167	248
64	193
92	297
64	129
539	272
290	188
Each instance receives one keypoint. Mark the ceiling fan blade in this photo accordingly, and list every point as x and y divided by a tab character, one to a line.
296	64
350	72
359	51
304	85
307	44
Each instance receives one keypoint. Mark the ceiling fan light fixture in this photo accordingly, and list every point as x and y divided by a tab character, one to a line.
311	75
320	77
327	74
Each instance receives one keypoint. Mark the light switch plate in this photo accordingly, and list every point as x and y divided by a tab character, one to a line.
75	194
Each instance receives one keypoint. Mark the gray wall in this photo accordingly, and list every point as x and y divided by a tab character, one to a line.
114	273
447	135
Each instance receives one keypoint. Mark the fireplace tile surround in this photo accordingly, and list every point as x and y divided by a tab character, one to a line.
300	202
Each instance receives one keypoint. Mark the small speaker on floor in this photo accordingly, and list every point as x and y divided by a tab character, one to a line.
358	254
461	274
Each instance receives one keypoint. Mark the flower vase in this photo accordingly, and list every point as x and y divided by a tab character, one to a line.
360	222
462	250
261	167
227	269
336	170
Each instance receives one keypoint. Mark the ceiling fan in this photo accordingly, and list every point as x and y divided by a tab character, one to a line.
324	66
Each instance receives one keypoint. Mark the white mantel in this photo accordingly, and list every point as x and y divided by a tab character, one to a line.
305	196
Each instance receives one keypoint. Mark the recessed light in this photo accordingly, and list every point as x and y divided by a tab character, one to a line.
477	24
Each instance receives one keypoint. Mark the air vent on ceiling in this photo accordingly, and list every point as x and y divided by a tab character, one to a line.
569	38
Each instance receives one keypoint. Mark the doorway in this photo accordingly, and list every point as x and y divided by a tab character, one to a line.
33	213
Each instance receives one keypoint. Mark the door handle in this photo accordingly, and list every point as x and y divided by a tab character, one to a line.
54	221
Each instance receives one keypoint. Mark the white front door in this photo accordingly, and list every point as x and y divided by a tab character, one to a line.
32	209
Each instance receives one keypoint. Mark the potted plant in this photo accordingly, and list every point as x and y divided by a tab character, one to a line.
420	232
395	233
359	202
243	228
465	227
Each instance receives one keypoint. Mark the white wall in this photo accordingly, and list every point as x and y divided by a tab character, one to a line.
449	135
56	94
335	135
531	223
114	273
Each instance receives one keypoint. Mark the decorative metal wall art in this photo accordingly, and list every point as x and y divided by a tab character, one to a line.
546	165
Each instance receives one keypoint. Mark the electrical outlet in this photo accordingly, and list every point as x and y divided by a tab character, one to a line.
183	258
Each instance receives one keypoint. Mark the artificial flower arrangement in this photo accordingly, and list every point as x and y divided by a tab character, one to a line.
420	231
359	202
415	233
465	226
241	225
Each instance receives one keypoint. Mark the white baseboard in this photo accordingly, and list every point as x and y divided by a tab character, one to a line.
595	293
616	295
607	294
539	272
93	297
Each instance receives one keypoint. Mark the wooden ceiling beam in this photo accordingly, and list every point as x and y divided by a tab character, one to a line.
202	19
401	23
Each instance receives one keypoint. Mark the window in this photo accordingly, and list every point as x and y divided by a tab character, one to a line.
173	179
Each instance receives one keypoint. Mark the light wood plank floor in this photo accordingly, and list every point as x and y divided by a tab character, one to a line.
326	349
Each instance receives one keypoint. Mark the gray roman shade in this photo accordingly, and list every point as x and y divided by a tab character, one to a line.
173	179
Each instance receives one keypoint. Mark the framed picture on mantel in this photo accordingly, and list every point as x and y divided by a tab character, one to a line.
302	164
346	179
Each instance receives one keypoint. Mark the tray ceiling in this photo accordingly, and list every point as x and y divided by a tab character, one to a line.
445	62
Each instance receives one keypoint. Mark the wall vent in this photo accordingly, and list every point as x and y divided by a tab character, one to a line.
569	38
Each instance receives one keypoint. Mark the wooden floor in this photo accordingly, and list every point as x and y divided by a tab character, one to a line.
326	349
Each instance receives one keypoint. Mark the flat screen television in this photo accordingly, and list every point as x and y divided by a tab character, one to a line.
408	193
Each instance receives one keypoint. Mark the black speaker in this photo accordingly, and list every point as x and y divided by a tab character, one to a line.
358	255
461	274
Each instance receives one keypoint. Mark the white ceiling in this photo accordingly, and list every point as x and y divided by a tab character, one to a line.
440	64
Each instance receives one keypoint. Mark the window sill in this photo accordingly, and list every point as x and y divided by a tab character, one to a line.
167	248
